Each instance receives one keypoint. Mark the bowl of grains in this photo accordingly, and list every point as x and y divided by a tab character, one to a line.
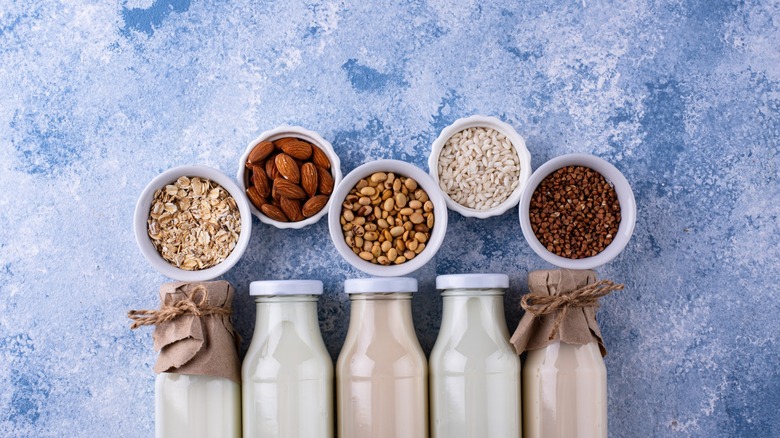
481	165
577	211
289	174
388	218
192	223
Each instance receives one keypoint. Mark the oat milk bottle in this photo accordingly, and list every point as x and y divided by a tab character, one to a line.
190	406
381	373
475	371
287	373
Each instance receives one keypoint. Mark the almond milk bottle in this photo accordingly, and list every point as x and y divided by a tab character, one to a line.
475	372
381	373
287	373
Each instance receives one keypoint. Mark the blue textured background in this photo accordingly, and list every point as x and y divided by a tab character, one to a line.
98	97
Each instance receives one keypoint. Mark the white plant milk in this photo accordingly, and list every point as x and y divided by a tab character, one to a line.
565	392
474	370
188	406
287	373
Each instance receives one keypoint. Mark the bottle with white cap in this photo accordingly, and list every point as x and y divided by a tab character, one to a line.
474	370
381	373
287	373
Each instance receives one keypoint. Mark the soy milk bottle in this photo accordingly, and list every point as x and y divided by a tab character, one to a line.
381	373
287	373
474	370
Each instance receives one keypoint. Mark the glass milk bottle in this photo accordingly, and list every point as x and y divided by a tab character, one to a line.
381	373
197	392
474	370
564	376
287	373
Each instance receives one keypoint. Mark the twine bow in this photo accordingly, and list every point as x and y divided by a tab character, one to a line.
586	296
186	306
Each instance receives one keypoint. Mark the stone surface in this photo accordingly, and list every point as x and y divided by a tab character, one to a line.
682	96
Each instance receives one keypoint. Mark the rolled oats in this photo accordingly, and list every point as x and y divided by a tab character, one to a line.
194	223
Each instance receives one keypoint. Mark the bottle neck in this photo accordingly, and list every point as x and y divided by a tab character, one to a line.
465	308
298	310
380	315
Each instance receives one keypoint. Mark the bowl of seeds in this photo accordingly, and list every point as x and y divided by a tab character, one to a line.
481	164
192	223
388	218
577	211
288	174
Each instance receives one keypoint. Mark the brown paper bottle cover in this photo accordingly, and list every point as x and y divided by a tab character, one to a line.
203	345
579	325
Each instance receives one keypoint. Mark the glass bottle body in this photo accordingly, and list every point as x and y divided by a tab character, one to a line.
565	392
190	406
287	373
381	373
474	370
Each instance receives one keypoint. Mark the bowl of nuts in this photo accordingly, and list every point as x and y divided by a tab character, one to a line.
192	223
481	164
289	174
388	218
577	211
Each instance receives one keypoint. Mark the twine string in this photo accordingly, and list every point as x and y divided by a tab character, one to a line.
586	296
186	306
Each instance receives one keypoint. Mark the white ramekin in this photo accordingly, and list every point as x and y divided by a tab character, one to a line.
518	143
141	215
303	134
399	168
625	197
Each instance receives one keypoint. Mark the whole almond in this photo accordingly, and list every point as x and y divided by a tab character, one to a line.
273	212
279	142
314	205
297	149
291	208
326	181
260	181
319	158
287	189
260	152
287	168
309	179
270	168
255	197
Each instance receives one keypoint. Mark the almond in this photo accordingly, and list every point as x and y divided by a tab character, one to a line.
297	149
260	181
287	189
319	158
255	197
309	179
284	140
260	152
314	205
287	168
326	181
273	212
291	208
270	168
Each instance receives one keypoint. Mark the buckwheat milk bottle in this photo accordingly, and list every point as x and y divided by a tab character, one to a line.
474	370
287	373
381	373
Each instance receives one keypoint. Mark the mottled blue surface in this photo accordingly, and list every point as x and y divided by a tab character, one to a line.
98	97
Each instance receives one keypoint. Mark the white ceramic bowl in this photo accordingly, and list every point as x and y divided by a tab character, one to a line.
303	134
517	142
625	197
141	215
399	168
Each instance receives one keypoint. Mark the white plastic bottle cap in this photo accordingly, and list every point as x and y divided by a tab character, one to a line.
285	287
380	285
472	281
